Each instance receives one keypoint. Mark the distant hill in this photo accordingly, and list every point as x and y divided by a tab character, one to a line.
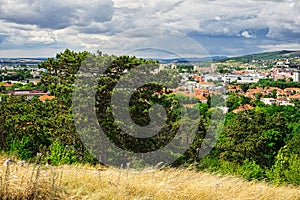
21	61
243	59
189	60
265	56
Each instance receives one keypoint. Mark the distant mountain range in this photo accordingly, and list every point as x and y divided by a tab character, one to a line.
244	59
189	60
21	61
266	56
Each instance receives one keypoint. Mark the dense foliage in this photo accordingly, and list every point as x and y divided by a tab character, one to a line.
261	143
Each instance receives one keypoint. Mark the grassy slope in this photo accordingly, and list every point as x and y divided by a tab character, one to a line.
84	182
266	56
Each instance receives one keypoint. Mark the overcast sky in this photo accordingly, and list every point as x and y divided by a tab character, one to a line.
41	28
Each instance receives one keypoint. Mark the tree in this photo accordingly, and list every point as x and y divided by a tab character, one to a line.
62	70
234	101
253	135
274	94
258	96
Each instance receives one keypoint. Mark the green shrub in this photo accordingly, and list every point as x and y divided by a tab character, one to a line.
285	169
209	163
60	154
214	164
228	167
250	170
23	148
292	174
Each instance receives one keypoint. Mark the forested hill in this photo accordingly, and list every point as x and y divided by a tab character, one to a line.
275	55
265	56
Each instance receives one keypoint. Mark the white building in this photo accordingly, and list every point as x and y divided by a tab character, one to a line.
296	76
268	101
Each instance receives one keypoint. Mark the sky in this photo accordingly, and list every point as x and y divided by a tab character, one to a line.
156	28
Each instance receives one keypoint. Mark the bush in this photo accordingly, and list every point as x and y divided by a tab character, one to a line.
292	174
250	170
285	169
23	148
60	154
209	163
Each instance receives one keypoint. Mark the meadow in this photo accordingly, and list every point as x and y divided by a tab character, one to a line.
98	182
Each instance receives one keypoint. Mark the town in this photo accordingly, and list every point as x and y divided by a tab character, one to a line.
240	76
202	80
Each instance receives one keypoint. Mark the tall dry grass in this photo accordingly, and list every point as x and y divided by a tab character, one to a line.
85	182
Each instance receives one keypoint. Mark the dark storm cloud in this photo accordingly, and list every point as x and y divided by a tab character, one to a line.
55	14
230	27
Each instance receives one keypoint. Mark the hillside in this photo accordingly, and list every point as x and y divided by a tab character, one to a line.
265	56
243	59
85	182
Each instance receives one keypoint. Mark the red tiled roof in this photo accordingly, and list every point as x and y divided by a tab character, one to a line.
46	97
242	108
270	89
296	96
259	90
201	91
292	89
201	97
8	85
206	83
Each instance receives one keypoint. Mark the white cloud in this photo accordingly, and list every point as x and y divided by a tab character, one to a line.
30	53
91	25
279	47
147	41
281	18
55	14
246	34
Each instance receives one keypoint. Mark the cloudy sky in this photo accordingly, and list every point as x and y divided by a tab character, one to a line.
41	28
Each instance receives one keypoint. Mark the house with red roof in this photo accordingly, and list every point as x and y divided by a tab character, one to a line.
243	108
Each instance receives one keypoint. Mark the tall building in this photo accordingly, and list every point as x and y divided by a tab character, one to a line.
296	76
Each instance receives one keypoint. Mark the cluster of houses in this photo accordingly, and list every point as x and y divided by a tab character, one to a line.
29	94
10	67
269	95
195	85
253	76
8	70
203	83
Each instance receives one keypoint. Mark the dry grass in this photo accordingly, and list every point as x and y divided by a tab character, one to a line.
84	182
